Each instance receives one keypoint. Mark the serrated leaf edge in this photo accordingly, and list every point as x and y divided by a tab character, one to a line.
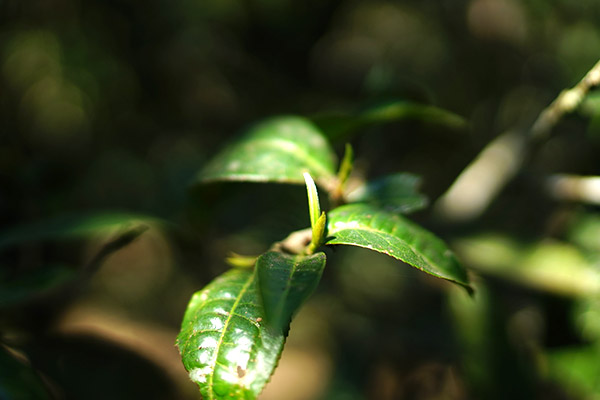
386	236
296	263
199	297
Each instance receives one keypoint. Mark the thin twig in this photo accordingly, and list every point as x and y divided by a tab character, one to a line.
500	161
584	189
566	102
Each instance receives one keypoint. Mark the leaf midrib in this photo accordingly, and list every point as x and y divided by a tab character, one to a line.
291	148
222	336
286	290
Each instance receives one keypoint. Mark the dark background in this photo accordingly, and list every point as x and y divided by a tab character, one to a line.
113	106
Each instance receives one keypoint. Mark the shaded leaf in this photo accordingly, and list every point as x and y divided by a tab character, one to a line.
577	370
346	165
48	279
285	282
276	150
68	227
488	357
584	231
365	226
586	315
396	193
19	380
337	126
224	344
71	362
552	266
35	283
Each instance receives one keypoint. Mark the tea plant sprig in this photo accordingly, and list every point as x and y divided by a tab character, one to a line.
234	329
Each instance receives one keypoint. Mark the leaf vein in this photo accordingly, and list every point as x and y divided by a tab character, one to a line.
221	338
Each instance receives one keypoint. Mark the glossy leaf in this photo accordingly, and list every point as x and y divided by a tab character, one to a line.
224	343
276	150
397	193
285	282
366	226
337	126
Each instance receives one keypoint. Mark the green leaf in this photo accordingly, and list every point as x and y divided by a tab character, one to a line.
285	282
276	150
346	165
341	125
68	227
224	343
396	193
318	233
317	218
314	207
548	265
240	261
35	284
365	226
576	369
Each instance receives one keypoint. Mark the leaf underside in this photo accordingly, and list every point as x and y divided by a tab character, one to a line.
225	345
366	226
276	150
285	282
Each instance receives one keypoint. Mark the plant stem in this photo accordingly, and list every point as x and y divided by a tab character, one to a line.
566	102
498	163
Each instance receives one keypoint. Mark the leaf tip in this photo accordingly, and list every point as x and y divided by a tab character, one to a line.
346	165
318	233
313	199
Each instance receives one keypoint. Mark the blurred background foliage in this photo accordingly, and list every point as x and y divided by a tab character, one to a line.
109	108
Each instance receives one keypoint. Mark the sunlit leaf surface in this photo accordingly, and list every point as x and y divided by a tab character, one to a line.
397	193
285	282
276	150
365	226
224	342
